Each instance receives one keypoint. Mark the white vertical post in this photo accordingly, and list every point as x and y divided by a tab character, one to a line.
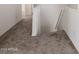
23	10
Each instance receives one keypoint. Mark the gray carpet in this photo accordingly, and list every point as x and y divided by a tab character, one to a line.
19	40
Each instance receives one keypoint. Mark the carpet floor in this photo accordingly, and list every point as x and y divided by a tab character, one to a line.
19	41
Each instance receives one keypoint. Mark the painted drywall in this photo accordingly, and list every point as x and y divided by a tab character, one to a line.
70	23
74	6
19	13
45	19
10	14
28	10
49	16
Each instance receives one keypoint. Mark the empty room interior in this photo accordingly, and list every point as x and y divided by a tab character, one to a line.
39	29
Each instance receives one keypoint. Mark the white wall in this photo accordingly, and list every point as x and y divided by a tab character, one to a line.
28	10
47	19
9	16
70	23
19	12
74	6
49	16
